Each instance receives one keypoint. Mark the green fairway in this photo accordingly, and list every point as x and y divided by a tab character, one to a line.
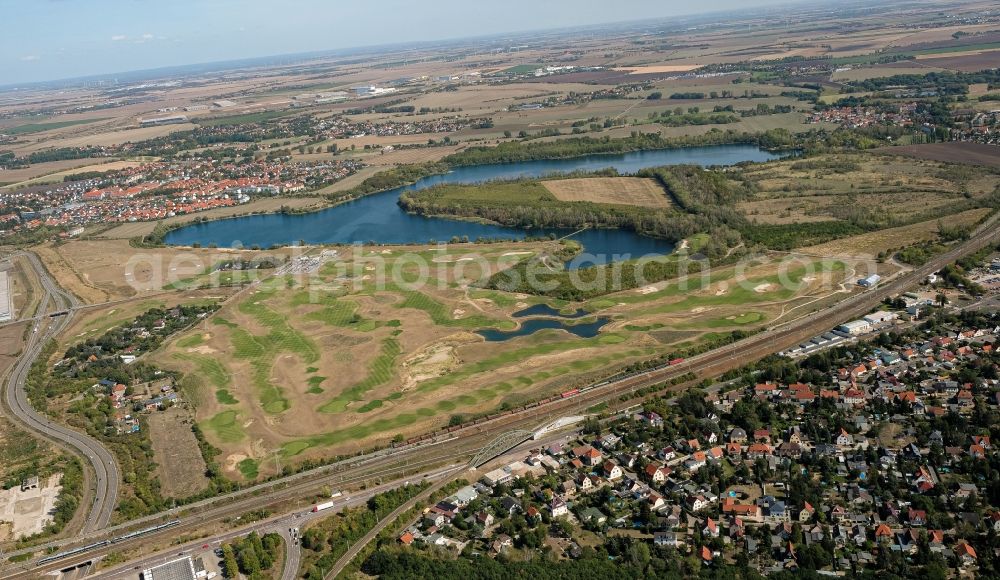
225	427
380	371
261	350
439	312
225	397
250	468
190	341
208	367
396	422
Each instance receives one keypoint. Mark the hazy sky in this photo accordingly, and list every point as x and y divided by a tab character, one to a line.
53	39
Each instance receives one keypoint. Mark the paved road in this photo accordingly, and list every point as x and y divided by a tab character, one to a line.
293	553
103	465
373	533
278	524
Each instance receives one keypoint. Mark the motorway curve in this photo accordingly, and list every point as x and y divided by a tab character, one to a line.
103	465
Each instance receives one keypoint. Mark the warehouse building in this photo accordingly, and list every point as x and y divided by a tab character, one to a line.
171	120
180	569
6	299
870	281
855	327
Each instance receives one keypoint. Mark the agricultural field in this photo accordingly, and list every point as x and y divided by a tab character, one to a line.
967	153
346	362
10	344
614	190
44	126
58	176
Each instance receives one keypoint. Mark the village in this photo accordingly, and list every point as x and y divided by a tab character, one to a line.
126	389
876	455
154	191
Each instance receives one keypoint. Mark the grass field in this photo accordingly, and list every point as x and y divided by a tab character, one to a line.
614	190
46	126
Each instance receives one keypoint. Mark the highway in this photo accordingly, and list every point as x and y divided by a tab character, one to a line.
104	469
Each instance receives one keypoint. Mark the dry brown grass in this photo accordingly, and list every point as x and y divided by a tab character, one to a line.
840	186
617	190
871	244
265	205
10	344
104	270
180	467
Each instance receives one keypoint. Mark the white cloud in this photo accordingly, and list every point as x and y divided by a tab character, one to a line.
147	36
118	37
30	58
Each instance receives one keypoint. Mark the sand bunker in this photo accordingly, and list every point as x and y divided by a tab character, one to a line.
430	363
762	288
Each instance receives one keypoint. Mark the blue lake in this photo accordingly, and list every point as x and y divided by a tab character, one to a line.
531	326
378	219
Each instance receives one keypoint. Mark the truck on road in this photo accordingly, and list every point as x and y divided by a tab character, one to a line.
322	506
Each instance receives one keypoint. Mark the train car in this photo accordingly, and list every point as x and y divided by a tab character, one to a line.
569	394
676	361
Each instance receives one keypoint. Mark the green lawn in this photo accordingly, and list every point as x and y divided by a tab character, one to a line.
250	468
440	314
208	367
261	350
380	371
225	426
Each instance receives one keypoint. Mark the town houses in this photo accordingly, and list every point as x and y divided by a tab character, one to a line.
878	466
159	190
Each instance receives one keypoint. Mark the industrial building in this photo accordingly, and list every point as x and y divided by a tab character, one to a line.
370	91
156	122
6	298
180	569
855	327
880	317
870	281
